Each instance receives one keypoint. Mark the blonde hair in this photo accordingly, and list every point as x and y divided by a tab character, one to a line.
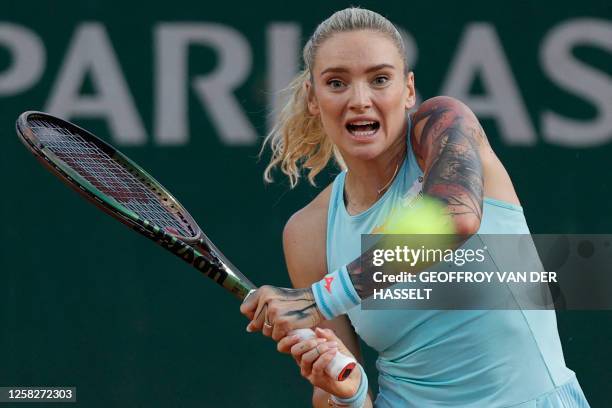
298	139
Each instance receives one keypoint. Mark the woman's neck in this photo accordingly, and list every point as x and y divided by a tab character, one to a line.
367	181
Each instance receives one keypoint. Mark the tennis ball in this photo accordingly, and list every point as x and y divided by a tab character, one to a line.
426	216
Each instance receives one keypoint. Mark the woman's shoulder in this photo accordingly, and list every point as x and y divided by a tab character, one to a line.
311	220
442	102
304	239
440	109
434	113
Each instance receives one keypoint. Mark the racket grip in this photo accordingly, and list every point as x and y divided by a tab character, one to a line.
340	367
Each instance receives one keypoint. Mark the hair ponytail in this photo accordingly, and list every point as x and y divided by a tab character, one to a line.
298	140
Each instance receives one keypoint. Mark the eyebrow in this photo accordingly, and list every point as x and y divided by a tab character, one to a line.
344	69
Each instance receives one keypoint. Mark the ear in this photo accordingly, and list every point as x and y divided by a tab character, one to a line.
410	91
313	104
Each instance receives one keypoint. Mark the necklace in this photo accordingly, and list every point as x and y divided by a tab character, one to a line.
390	181
379	192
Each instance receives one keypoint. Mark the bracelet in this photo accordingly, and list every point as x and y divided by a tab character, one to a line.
335	294
356	401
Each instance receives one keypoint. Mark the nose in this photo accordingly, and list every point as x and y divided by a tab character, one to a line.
360	97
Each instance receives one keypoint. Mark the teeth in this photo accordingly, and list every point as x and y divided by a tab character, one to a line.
363	128
366	133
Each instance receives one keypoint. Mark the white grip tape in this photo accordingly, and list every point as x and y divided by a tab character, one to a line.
340	367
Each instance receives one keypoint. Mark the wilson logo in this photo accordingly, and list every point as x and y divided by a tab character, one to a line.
328	282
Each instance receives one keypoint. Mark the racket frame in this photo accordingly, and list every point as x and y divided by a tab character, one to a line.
197	251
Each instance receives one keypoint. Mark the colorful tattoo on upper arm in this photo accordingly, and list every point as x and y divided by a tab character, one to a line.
449	143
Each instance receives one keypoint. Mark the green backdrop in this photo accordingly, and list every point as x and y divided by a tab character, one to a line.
84	302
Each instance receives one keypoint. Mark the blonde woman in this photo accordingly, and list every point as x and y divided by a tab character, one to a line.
351	104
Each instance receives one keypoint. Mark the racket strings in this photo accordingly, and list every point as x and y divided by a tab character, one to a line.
111	178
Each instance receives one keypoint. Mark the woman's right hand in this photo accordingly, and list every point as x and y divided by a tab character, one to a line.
314	355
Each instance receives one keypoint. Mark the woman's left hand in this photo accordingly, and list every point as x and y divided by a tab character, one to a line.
276	311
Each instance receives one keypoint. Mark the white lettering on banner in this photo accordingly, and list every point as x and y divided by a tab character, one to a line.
91	53
481	53
412	56
283	45
584	81
215	89
28	59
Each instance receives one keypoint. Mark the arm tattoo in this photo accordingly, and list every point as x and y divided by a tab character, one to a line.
303	302
453	172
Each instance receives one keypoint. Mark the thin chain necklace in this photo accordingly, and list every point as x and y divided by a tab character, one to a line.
379	192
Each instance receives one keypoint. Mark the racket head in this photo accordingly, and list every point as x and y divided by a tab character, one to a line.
105	176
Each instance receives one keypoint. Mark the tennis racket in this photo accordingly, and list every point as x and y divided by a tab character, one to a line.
123	190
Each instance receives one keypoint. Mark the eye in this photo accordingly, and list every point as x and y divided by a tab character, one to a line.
380	80
335	83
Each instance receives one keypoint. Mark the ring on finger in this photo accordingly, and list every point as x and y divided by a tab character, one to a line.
267	323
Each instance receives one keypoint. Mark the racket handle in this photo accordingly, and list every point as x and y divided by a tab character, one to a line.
340	367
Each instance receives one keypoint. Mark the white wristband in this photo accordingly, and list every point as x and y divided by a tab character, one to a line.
358	400
335	294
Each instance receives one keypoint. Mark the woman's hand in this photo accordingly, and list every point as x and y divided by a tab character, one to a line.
277	311
314	355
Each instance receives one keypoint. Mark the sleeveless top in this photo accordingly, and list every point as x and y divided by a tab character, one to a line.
441	358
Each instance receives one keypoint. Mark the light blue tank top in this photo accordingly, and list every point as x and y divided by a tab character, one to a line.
452	358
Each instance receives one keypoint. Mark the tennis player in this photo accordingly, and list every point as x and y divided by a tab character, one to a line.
353	102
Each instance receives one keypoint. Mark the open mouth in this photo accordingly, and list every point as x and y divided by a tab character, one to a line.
363	128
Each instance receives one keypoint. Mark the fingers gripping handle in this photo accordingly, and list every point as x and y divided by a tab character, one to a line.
340	367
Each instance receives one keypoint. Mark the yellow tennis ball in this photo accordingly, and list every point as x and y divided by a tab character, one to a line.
427	216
